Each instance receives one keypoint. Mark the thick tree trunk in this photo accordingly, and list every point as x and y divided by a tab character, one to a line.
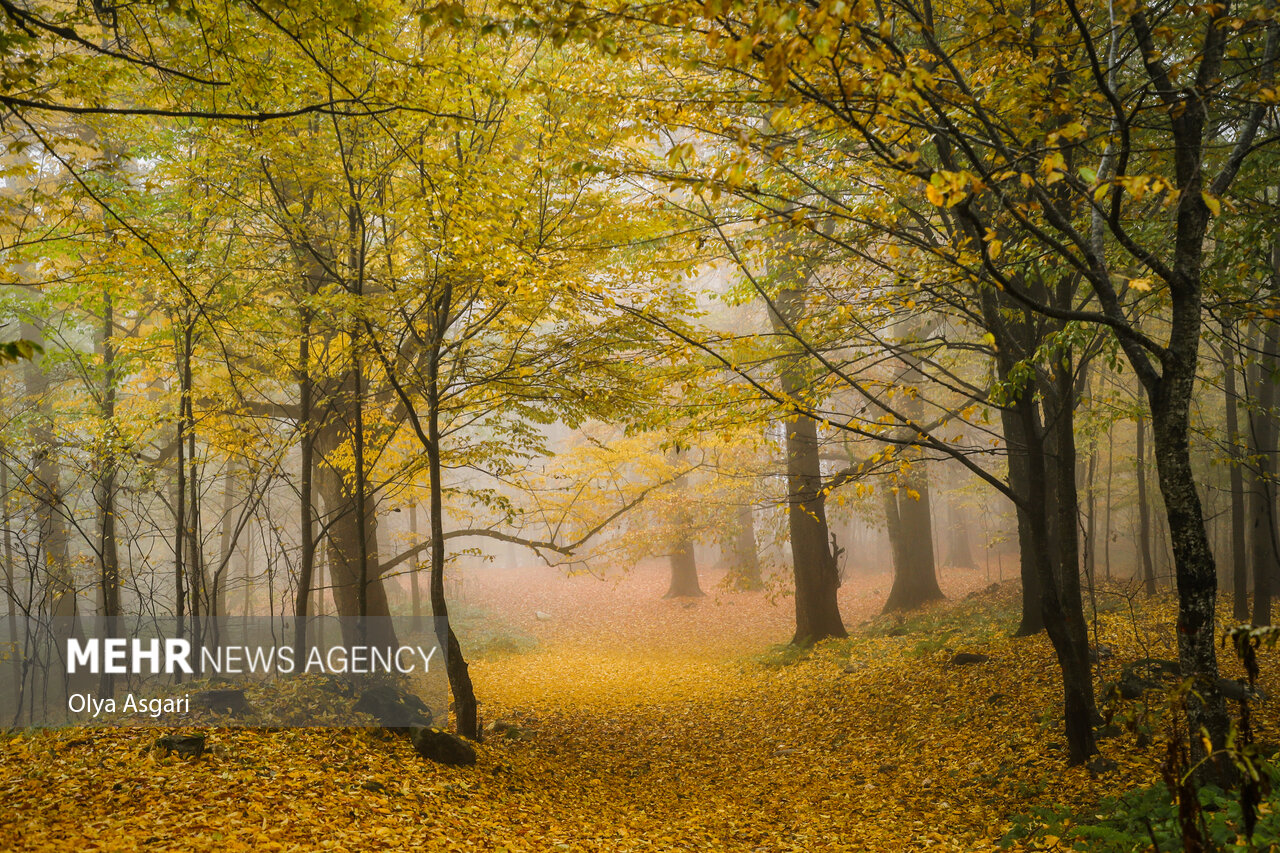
817	579
959	548
45	489
343	550
684	564
908	513
684	570
746	555
1020	468
1072	647
1063	622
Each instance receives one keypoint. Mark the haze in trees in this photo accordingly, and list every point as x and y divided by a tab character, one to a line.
779	426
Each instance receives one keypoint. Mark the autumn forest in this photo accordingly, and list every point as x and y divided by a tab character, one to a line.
821	426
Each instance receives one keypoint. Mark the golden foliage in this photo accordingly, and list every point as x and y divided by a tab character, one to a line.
661	735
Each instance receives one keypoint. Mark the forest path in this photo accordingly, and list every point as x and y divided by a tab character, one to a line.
653	724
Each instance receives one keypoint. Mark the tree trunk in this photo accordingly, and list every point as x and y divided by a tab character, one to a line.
959	549
684	564
1239	557
1065	627
915	579
817	578
466	712
1263	429
306	521
684	570
1091	517
746	556
50	510
1020	473
106	469
1144	511
416	624
1196	575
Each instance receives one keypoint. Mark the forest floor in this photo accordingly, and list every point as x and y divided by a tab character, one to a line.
642	724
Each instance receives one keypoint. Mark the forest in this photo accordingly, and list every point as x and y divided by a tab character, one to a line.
608	425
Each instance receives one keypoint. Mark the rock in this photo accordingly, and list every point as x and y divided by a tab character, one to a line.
229	700
187	746
1239	691
1146	674
1100	765
978	593
393	708
499	728
968	658
442	747
1108	731
542	616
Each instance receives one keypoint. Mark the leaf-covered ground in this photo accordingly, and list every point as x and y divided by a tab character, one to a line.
642	724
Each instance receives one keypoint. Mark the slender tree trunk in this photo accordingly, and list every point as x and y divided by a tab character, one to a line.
197	588
306	447
1091	517
1194	568
106	466
10	589
1144	511
416	626
466	712
1106	533
1263	430
180	502
1239	556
